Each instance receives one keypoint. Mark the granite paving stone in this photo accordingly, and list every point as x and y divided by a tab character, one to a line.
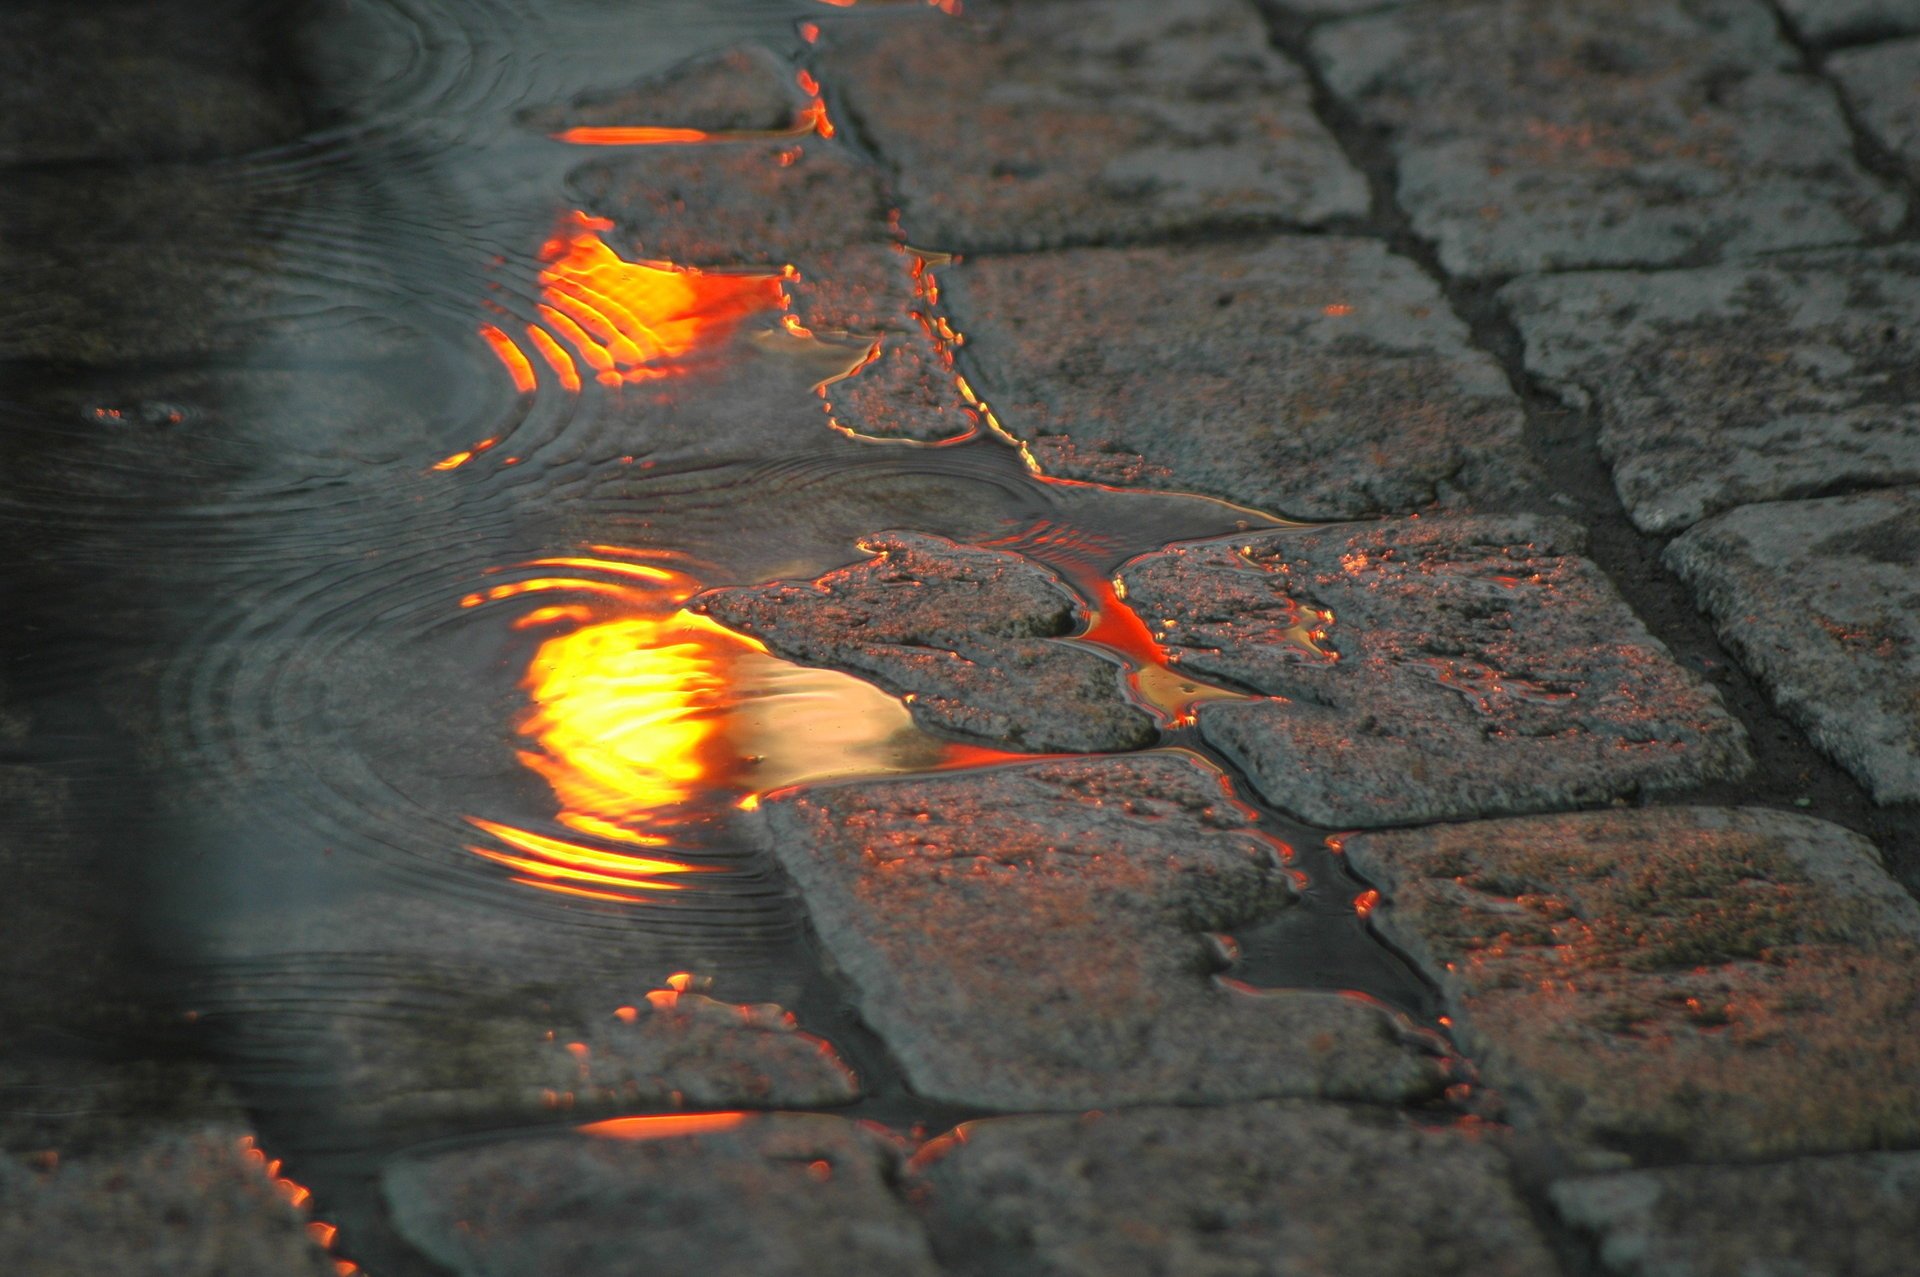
1431	669
1671	984
1284	1188
744	89
1809	1217
1084	121
1607	133
1834	21
1738	383
1041	936
1821	600
970	636
779	1195
1882	84
1316	377
189	1204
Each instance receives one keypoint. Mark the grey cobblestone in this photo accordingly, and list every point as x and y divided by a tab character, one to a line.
1882	84
1831	21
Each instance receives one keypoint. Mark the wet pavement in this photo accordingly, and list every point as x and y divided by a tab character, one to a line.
1070	637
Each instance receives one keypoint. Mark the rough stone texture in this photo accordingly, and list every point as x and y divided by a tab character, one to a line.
1471	666
1821	600
671	1050
1833	21
1683	983
1026	126
1037	936
1322	378
1616	132
186	1205
1239	1191
969	635
780	1195
1882	84
1733	384
1803	1218
742	89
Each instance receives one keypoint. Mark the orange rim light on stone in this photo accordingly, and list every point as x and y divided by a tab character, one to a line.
664	1125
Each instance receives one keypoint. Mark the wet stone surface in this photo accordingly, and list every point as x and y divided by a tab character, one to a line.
1882	84
1039	936
743	89
184	1205
1835	21
1472	666
969	635
1318	378
1029	126
1852	1215
1821	600
1733	384
1688	983
1618	132
786	1195
1246	1190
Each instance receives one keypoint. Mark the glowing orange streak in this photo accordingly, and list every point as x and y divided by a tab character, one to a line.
590	350
666	1124
453	462
630	136
556	356
515	588
509	354
643	571
540	870
564	852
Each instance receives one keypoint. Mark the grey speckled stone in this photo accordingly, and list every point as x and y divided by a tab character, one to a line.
1611	133
1882	84
1733	384
742	89
1682	983
1024	126
1037	936
184	1205
1810	1217
1320	378
1463	666
1832	21
1821	599
783	1195
969	636
1257	1190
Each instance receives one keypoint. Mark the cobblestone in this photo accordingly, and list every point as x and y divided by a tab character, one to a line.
744	89
1821	599
1687	983
1244	1190
1832	21
1029	126
1314	377
1039	936
1431	669
1719	387
1617	132
1882	84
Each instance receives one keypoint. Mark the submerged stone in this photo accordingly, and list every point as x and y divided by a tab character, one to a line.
1028	126
971	638
779	1195
1882	84
1734	384
742	89
1821	600
1687	983
1246	1189
1613	133
1431	669
1315	377
1852	1215
1041	936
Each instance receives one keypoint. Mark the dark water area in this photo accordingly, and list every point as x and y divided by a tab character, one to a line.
290	542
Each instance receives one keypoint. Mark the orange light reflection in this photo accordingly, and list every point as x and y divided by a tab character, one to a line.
663	1125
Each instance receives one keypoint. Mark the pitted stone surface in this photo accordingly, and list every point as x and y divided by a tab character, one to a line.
1618	132
1472	666
1686	983
1833	21
1840	1215
1321	378
1821	600
1247	1190
743	89
1734	384
1037	936
190	1204
1882	84
784	1195
1028	126
970	635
